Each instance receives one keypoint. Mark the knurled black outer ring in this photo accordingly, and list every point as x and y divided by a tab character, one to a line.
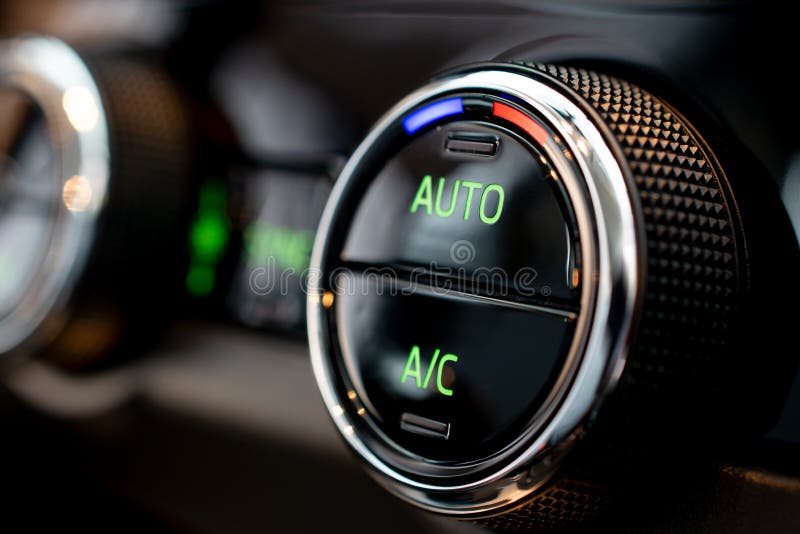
679	372
133	276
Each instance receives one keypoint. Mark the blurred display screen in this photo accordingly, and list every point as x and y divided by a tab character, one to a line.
281	210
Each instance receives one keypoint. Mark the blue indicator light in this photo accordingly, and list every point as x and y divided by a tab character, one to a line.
432	112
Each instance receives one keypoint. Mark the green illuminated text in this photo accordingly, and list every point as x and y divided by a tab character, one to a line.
413	370
290	248
432	203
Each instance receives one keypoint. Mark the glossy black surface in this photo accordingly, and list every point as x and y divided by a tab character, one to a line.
507	359
464	209
528	251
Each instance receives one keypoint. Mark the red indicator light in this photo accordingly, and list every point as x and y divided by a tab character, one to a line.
530	126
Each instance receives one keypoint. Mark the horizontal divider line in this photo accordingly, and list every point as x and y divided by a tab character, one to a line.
421	286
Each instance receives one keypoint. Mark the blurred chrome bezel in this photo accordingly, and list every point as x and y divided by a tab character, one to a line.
45	69
612	248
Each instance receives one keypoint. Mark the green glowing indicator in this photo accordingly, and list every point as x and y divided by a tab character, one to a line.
413	369
500	198
424	195
208	238
290	248
471	187
424	198
453	197
200	280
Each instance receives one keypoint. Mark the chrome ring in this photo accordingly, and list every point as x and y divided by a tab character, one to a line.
52	74
598	187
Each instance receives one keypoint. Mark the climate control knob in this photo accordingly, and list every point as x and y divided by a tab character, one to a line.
527	285
95	163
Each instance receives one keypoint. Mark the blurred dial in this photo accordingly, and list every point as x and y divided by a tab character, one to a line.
29	192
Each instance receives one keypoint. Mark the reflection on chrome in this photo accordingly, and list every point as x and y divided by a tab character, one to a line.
77	193
81	109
